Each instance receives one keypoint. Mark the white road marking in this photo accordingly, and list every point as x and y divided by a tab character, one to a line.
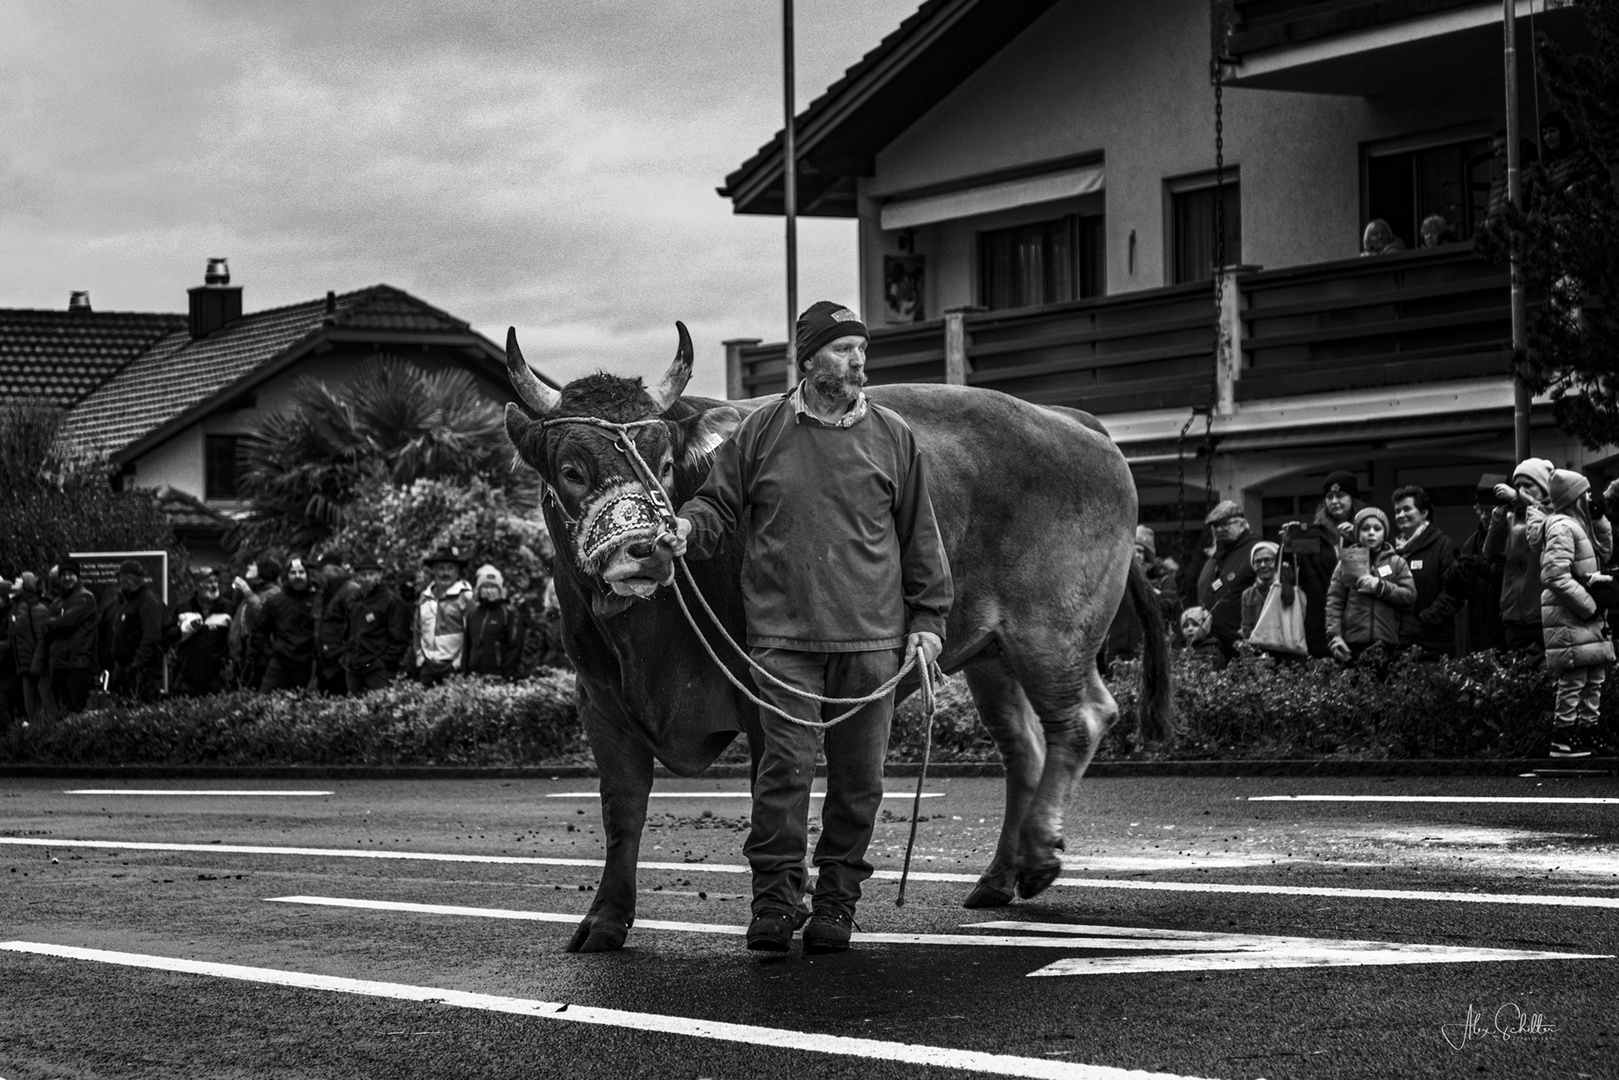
1195	950
783	1038
147	791
730	795
1173	950
1548	799
1531	899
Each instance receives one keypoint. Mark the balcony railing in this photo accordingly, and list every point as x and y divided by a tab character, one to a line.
1415	317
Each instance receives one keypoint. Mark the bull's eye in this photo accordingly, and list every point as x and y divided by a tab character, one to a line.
572	475
668	468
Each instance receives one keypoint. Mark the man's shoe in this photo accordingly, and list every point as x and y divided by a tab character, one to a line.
828	931
771	931
1570	742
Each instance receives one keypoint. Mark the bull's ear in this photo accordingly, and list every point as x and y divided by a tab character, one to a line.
525	435
702	435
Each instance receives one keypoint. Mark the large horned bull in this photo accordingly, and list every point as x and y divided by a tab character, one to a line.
1037	510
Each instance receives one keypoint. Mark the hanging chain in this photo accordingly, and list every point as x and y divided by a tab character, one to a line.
1217	75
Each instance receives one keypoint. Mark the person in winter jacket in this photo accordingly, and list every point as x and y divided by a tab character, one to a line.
1225	575
203	653
1474	580
554	650
249	654
25	628
285	630
1267	576
1430	623
1509	542
67	648
1314	549
439	632
495	631
337	591
10	684
1125	634
137	638
1364	610
378	633
1577	646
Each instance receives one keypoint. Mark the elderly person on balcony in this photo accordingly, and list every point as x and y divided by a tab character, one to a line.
1379	239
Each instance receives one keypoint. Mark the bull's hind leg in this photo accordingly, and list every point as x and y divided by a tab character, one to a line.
1076	710
625	764
1012	723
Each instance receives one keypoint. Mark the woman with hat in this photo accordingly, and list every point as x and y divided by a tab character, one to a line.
1314	548
439	632
1577	644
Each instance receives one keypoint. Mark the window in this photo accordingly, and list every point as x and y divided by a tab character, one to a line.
1405	184
1046	262
222	467
1191	211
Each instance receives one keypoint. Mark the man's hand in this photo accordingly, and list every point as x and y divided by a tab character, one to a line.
929	645
676	541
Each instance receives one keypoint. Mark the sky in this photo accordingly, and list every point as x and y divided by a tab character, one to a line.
549	164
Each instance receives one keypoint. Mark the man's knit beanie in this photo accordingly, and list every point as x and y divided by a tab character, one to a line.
824	322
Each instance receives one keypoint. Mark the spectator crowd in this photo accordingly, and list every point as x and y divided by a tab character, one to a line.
324	625
1359	585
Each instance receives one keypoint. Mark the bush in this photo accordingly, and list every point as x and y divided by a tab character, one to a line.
1481	705
463	722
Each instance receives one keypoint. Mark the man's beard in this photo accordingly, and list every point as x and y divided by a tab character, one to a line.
831	387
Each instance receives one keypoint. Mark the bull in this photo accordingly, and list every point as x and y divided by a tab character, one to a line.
1037	510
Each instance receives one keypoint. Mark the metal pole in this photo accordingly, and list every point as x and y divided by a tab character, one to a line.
1520	315
789	172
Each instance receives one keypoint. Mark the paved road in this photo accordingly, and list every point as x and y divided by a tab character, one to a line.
1211	928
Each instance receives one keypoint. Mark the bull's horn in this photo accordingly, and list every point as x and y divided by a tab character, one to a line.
535	394
667	392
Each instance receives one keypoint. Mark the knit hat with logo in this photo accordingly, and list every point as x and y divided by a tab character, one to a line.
824	322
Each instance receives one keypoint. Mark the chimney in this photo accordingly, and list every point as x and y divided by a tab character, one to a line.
216	302
78	302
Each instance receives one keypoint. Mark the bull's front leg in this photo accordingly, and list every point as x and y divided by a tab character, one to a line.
625	764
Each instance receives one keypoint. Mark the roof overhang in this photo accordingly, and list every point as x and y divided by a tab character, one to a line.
840	134
1453	44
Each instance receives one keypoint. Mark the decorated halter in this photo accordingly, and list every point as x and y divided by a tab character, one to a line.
623	514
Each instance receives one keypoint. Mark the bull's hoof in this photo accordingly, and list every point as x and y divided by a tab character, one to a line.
985	895
597	935
1031	883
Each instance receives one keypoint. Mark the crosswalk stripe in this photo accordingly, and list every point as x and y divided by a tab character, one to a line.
720	1031
1550	800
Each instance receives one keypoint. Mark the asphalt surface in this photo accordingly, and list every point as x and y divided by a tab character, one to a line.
1199	929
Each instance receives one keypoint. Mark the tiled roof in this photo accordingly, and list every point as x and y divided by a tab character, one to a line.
179	372
60	356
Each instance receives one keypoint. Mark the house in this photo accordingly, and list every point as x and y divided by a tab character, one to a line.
168	398
1036	186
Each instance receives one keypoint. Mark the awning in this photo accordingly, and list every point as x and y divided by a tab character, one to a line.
902	213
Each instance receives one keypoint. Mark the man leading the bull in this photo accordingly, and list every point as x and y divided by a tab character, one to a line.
844	577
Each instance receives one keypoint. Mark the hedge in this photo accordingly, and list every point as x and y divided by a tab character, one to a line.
1483	705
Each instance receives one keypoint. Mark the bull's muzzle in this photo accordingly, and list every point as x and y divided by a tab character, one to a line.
618	539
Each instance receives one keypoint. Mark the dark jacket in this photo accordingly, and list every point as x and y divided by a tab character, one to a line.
494	639
1314	576
843	552
1431	621
1508	543
137	640
8	650
1368	618
1220	586
1476	582
26	628
332	627
378	630
203	654
286	625
70	632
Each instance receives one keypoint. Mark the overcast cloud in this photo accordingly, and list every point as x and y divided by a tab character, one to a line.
548	164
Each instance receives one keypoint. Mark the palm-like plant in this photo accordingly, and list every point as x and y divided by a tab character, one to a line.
393	421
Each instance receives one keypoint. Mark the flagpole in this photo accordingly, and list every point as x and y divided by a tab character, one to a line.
790	191
1520	314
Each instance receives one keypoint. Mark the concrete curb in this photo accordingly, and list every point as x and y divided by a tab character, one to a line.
1105	769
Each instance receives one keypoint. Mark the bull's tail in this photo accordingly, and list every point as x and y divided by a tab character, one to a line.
1156	702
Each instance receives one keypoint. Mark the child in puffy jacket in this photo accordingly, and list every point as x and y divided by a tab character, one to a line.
1577	645
1364	611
